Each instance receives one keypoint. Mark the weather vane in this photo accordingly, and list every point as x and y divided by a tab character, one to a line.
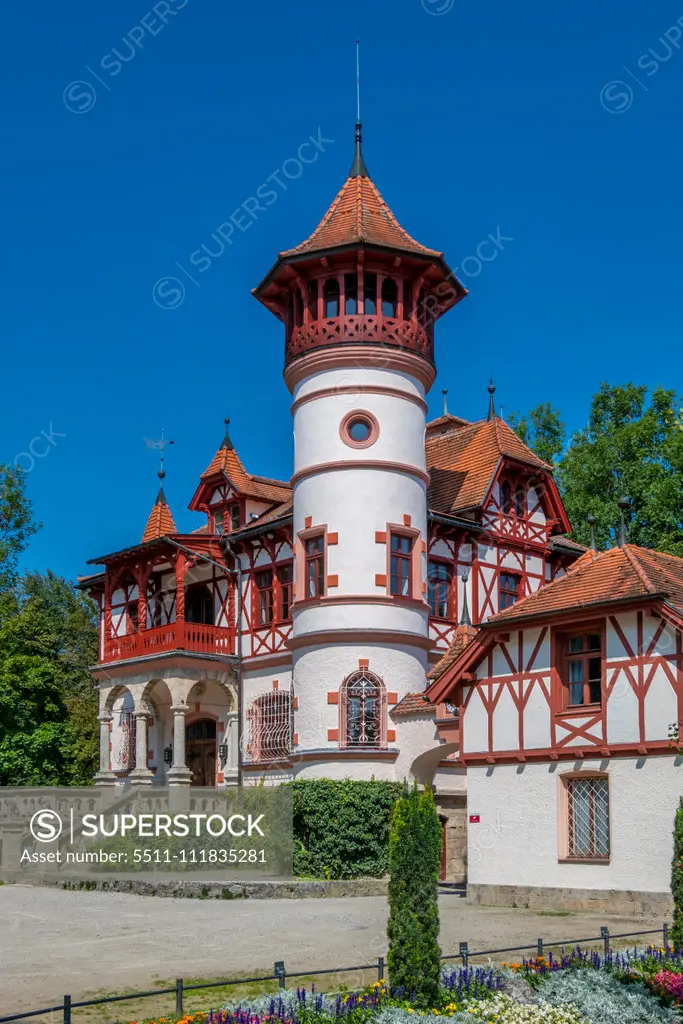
159	446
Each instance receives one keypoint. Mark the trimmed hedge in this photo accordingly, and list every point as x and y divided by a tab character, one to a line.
341	827
677	879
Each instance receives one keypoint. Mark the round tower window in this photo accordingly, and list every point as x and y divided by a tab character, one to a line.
359	429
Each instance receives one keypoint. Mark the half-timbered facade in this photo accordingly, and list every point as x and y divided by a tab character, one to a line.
570	705
292	632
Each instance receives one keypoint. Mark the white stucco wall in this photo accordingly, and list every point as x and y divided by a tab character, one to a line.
516	840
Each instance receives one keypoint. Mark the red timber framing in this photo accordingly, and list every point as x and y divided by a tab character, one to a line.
575	732
145	601
267	554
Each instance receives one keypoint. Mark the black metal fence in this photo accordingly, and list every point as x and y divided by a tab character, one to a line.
280	973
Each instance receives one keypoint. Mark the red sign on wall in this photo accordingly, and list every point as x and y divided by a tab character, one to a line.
474	819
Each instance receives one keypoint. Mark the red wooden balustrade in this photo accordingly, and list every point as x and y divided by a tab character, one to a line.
360	327
184	636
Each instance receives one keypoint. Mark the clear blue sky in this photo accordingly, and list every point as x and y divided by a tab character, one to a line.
480	117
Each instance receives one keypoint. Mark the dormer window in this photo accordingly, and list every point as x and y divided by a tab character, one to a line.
331	298
235	517
505	497
389	297
219	522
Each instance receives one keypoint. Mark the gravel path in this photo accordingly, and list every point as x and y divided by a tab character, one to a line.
54	941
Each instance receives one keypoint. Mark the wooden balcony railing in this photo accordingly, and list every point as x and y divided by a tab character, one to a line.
360	327
177	636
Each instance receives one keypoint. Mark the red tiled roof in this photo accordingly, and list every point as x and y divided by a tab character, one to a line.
463	636
463	460
226	460
359	214
600	577
413	704
160	522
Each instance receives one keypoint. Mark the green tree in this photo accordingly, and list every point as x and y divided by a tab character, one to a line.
16	523
413	927
542	430
676	933
632	449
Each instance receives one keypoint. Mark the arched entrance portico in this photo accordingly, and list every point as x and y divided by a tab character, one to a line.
201	752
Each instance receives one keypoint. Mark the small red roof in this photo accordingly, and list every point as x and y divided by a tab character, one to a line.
462	459
413	704
160	522
226	460
619	574
359	214
462	638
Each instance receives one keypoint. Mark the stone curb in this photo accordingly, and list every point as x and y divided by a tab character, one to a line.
287	890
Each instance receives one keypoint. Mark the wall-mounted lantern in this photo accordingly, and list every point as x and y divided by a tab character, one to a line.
223	753
168	755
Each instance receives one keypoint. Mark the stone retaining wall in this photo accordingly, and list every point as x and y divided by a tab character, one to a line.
616	901
213	890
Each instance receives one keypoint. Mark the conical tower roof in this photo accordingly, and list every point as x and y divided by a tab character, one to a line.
160	522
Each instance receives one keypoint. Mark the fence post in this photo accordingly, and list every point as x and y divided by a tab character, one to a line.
67	1009
604	934
179	996
380	968
280	973
665	934
539	943
465	954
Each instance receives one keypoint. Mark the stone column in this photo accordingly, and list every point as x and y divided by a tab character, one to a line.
179	774
231	738
141	774
105	776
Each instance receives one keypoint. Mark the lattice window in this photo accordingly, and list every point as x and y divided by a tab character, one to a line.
123	755
362	706
270	726
588	818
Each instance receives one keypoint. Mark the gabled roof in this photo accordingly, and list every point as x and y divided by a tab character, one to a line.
227	461
597	578
463	459
160	522
413	704
462	638
359	214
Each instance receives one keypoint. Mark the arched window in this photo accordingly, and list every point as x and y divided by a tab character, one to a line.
351	294
270	730
389	297
422	313
298	308
506	497
407	300
370	294
199	604
312	293
363	711
331	297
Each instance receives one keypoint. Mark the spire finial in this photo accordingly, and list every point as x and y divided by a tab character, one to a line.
358	168
492	405
591	520
623	504
227	443
465	619
444	392
161	445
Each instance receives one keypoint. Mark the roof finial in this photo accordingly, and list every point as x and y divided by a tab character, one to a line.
591	520
227	443
623	504
161	445
492	406
465	619
444	392
358	168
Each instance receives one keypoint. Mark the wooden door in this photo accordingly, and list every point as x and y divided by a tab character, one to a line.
200	752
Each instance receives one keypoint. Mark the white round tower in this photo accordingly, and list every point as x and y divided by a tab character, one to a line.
359	299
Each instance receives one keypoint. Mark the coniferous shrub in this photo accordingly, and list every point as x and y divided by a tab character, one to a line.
413	927
676	933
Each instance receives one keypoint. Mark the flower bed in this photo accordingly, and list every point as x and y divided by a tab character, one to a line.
578	987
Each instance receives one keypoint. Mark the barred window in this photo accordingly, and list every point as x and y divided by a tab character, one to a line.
588	818
270	727
363	710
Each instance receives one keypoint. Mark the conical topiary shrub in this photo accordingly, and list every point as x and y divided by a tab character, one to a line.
413	928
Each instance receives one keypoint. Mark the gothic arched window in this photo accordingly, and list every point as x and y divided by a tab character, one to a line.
363	710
